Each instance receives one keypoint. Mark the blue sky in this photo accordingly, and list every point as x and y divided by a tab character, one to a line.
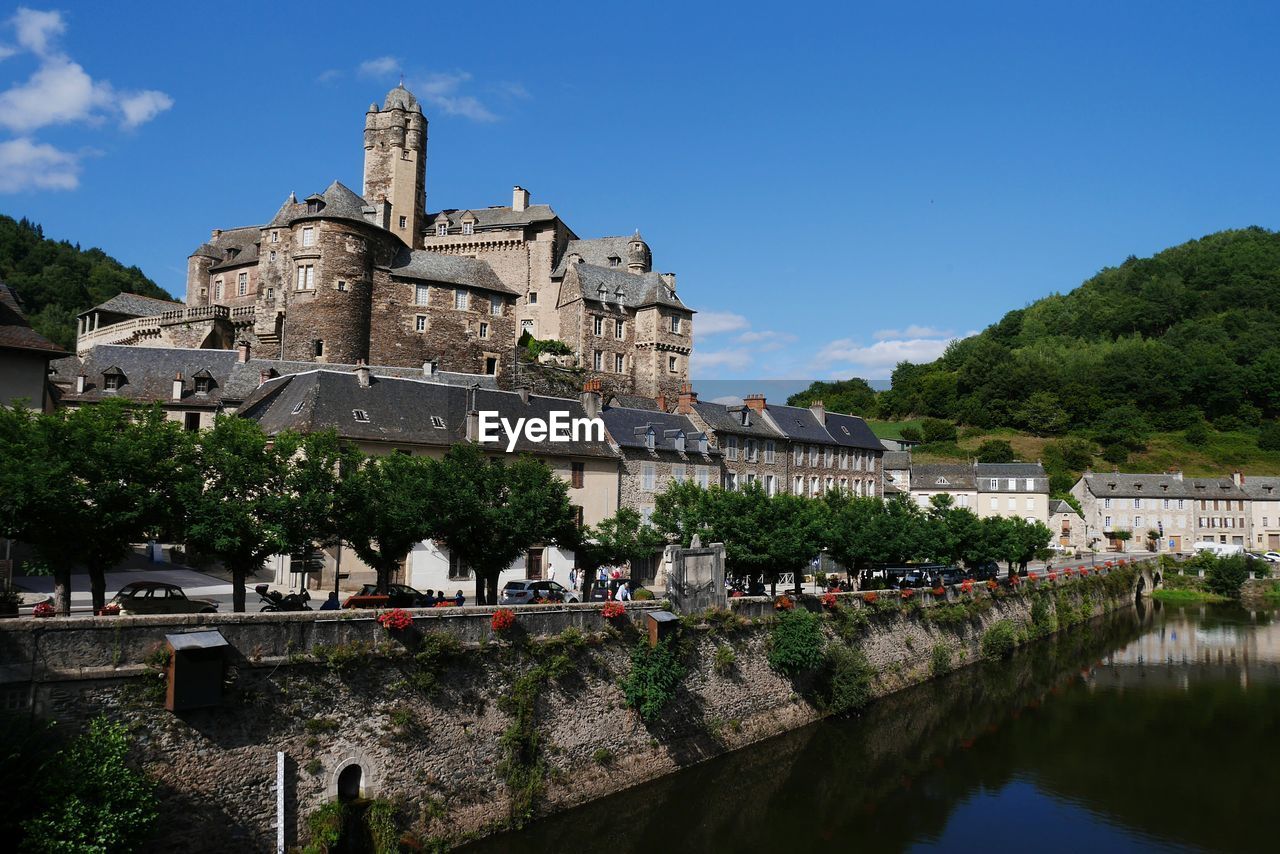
837	186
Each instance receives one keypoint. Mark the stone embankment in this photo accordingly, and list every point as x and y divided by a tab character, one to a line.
467	729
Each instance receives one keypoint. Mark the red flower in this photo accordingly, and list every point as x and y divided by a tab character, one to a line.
966	586
870	597
108	610
1067	572
1053	576
613	609
939	591
991	584
503	619
783	603
907	593
44	609
395	620
1014	581
829	601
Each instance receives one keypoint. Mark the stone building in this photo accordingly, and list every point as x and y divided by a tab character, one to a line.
1067	525
1221	514
1264	511
384	414
1013	490
1138	503
752	450
24	357
658	449
341	277
957	480
897	470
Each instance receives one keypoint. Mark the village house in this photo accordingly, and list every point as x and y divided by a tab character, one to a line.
1012	490
1138	503
896	466
24	357
751	449
1220	512
957	480
1264	511
1067	525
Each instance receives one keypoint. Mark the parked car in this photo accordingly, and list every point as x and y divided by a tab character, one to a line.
915	578
526	591
954	575
605	592
397	596
986	570
159	597
1271	557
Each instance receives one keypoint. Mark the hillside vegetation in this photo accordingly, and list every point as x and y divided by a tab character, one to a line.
57	280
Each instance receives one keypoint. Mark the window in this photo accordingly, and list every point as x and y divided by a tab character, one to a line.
306	277
1106	503
421	293
577	472
752	454
995	483
457	569
1137	521
360	415
1166	504
769	488
191	421
461	300
404	221
619	327
617	363
826	456
420	323
647	475
844	458
1013	504
677	473
1180	503
813	455
484	330
1106	523
204	292
242	284
491	366
798	455
308	236
615	261
1031	484
769	450
271	293
468	228
731	480
798	486
704	476
673	364
341	285
275	237
202	385
731	447
830	483
598	326
597	361
442	229
1137	503
217	288
675	325
814	486
1013	483
495	306
317	348
995	503
437	422
533	297
1031	504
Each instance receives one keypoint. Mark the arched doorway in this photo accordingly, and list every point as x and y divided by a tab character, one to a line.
350	783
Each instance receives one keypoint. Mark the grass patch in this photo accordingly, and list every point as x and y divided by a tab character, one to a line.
1187	596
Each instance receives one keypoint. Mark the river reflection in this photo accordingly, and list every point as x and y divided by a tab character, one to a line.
1153	729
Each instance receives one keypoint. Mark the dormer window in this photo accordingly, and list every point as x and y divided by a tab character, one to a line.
437	422
442	229
314	206
615	261
678	441
942	481
468	227
360	415
111	382
203	384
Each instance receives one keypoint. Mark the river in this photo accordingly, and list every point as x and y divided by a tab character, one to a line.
1156	729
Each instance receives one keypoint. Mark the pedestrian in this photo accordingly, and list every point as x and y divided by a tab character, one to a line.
459	599
624	591
330	604
602	576
429	601
551	573
573	578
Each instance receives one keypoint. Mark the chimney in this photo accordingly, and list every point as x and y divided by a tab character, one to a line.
661	400
80	380
819	411
591	398
519	198
473	425
217	232
242	349
428	369
669	279
523	391
382	210
1177	473
177	386
1238	477
754	402
362	374
688	397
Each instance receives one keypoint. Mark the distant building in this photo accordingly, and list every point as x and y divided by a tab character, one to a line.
24	357
1221	515
1067	525
1138	503
1264	511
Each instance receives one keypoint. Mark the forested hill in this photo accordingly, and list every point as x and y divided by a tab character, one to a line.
56	280
1159	343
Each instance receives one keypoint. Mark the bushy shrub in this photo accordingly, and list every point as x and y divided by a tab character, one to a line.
726	659
1042	617
940	662
995	451
849	675
795	644
655	673
1227	574
936	430
1269	436
999	640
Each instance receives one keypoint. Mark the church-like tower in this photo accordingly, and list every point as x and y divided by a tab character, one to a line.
395	164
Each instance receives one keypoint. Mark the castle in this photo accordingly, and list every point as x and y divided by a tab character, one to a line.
344	278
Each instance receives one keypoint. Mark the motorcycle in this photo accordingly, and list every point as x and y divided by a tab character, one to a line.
276	601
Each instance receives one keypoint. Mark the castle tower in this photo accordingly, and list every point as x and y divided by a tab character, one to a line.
395	163
638	258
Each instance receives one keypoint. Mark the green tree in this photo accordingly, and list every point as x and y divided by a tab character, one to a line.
854	396
680	511
239	509
1269	436
996	451
388	505
82	486
91	799
622	538
936	430
315	516
1043	415
489	513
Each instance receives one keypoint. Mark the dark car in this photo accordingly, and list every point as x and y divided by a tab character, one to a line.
527	591
986	570
915	578
397	596
953	575
605	592
159	597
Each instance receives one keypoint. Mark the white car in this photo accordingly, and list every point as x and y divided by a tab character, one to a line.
1271	557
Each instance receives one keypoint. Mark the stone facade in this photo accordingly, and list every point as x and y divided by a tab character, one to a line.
751	449
1136	503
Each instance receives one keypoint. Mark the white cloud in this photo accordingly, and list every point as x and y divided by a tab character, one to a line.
379	66
716	322
734	359
58	92
27	165
444	92
36	29
766	340
913	332
881	356
329	75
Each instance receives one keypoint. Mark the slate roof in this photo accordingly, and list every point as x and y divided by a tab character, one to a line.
235	247
596	251
637	289
449	269
339	202
135	305
958	476
494	217
401	411
1018	471
401	98
623	424
896	460
851	431
15	332
728	419
634	401
1262	488
149	373
1216	487
1137	485
1057	505
798	424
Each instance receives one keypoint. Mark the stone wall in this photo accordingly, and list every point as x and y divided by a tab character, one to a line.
428	728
